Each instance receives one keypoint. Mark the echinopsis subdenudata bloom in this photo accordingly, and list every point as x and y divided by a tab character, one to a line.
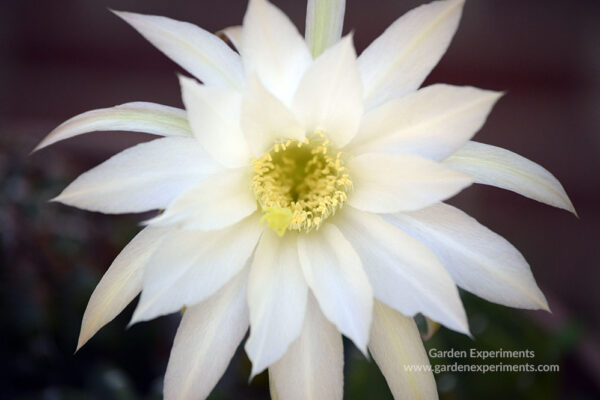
302	192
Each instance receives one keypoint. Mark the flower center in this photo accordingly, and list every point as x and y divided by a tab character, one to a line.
300	184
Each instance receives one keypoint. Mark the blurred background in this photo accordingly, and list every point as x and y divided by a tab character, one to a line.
60	58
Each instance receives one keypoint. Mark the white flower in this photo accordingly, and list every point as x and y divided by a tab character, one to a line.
304	200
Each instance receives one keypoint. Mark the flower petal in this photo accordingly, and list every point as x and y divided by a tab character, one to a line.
433	122
491	165
190	266
139	116
396	346
206	341
199	52
335	275
404	273
233	34
399	60
312	368
273	49
214	116
216	203
386	183
266	120
478	259
324	24
329	97
142	178
120	284
277	299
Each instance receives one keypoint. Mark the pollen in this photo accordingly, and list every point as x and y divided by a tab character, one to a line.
300	184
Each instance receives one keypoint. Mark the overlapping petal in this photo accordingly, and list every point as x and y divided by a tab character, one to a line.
200	52
142	178
403	272
206	341
387	183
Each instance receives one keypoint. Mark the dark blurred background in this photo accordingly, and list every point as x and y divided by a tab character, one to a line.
60	58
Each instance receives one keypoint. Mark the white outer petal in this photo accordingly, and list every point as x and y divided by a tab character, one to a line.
335	275
201	53
329	97
145	177
313	367
403	272
273	49
395	345
216	203
432	122
214	115
206	341
386	183
152	118
478	259
190	266
324	24
491	165
266	120
398	61
120	284
277	299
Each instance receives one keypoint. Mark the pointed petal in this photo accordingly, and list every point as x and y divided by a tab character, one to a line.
478	259
396	346
190	266
142	178
206	341
139	116
214	116
120	284
386	183
312	368
324	24
433	122
491	165
273	49
404	273
277	299
216	203
266	120
329	97
233	34
399	60
199	52
335	275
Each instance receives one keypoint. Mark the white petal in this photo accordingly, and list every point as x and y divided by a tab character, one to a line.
329	97
335	275
491	165
404	273
139	116
324	24
386	183
266	120
120	284
142	178
396	346
190	266
273	49
312	368
201	53
478	259
433	122
233	34
277	299
399	60
206	341
216	203
214	116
